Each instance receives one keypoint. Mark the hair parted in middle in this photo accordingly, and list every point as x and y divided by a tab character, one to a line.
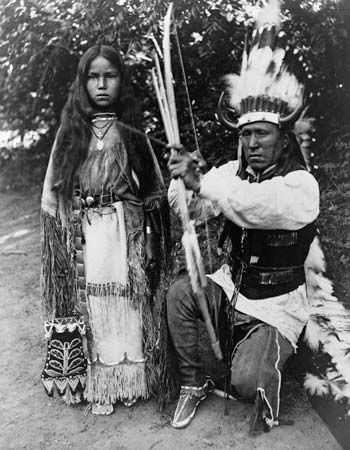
74	133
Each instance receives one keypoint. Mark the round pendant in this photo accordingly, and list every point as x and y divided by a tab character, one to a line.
89	200
99	145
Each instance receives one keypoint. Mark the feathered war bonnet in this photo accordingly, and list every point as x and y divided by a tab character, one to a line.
265	90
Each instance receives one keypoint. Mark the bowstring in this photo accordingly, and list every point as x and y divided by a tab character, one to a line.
186	88
140	133
195	135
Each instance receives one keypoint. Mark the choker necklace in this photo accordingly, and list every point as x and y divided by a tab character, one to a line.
100	132
103	117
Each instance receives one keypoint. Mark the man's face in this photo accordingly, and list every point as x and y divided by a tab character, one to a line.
262	144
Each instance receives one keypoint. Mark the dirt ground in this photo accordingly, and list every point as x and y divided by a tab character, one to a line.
31	420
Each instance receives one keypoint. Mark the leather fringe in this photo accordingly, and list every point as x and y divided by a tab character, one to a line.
108	384
58	286
141	298
106	289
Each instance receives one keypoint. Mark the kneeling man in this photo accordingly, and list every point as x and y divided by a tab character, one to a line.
270	202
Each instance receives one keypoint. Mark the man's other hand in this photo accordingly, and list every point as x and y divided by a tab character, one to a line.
187	166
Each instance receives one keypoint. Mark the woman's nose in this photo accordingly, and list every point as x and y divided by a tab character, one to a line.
101	83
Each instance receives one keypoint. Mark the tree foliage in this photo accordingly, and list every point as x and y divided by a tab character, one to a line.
41	42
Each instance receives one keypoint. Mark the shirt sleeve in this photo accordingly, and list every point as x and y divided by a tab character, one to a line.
200	208
287	202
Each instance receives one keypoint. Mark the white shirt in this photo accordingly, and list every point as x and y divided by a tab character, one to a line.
288	203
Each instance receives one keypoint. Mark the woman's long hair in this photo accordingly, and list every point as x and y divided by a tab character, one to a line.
74	134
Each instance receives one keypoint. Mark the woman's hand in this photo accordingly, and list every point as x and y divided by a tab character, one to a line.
187	166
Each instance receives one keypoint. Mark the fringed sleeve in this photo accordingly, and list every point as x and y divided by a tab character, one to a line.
65	368
58	287
158	243
58	290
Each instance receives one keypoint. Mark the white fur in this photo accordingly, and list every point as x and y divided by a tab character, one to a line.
329	325
313	334
315	385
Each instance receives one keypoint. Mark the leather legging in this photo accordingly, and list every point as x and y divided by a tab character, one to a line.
257	359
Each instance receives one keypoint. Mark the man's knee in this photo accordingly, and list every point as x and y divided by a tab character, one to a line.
258	359
244	379
246	363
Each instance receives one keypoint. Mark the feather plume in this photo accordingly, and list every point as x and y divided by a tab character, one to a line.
269	14
244	57
263	72
233	88
303	130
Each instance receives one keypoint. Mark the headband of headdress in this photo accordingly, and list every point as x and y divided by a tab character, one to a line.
265	90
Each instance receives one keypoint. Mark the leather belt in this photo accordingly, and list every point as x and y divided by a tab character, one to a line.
269	276
83	200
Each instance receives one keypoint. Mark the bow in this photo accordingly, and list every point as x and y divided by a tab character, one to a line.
167	105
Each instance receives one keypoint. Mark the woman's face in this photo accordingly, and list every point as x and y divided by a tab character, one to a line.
103	83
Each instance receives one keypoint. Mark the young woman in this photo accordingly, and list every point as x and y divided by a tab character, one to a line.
103	218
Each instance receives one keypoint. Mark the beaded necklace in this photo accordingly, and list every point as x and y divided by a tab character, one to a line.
101	131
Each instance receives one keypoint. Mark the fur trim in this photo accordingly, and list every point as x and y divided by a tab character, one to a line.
315	385
328	330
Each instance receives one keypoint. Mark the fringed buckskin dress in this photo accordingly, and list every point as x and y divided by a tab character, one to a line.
105	248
